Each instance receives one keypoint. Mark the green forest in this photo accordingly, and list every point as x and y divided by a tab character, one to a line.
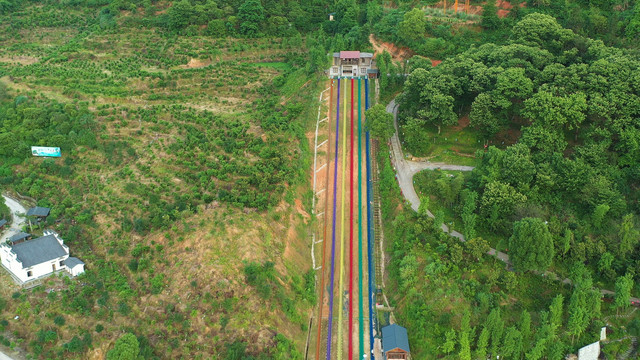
555	186
184	131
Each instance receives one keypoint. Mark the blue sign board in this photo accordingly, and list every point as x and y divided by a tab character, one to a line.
45	151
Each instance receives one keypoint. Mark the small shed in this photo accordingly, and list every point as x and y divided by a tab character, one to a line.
3	222
19	237
74	265
395	342
39	212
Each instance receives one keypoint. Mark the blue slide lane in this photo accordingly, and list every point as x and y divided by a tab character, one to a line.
369	224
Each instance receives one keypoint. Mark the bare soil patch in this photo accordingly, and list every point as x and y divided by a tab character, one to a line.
398	53
196	64
24	60
463	122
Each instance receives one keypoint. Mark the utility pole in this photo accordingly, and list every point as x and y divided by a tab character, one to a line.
466	6
444	10
455	7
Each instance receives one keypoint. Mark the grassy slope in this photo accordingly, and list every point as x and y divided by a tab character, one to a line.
188	296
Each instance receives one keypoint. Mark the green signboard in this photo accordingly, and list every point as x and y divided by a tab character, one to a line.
45	151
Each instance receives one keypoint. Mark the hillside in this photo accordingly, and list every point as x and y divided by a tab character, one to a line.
179	182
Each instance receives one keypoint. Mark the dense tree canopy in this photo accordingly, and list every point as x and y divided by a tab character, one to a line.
531	245
568	108
380	122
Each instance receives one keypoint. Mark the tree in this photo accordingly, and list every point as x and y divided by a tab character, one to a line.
412	27
251	15
517	167
553	111
495	324
450	341
628	236
477	247
483	342
180	15
512	346
464	337
604	264
598	215
531	245
543	31
439	109
490	18
555	313
513	84
485	113
624	284
498	202
125	348
380	122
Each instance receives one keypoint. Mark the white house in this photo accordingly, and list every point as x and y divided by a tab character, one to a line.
33	259
353	64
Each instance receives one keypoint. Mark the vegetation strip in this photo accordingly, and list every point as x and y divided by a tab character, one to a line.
324	231
333	234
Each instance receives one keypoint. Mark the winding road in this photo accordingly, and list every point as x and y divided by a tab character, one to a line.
406	169
17	212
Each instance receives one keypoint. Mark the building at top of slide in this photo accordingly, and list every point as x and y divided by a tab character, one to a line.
353	64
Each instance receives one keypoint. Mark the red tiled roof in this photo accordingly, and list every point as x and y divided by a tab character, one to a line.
349	54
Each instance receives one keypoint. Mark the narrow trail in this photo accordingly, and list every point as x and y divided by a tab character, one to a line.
333	235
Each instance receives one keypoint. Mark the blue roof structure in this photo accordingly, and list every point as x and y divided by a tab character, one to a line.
19	237
3	222
37	251
72	262
38	211
394	336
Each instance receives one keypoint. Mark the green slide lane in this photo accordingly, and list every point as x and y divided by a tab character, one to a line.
360	306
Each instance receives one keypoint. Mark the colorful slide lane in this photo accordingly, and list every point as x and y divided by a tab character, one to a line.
333	232
370	237
347	95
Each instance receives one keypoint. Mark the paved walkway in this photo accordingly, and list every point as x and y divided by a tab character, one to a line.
18	212
406	169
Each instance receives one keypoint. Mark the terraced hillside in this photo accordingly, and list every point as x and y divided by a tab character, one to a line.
181	184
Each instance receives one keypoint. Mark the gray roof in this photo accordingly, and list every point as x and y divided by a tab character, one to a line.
2	222
38	211
72	262
19	236
38	251
394	336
